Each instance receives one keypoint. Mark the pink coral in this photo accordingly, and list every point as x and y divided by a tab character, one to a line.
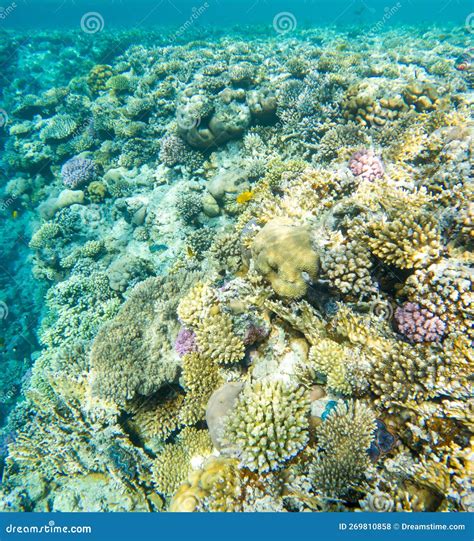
365	164
419	324
185	342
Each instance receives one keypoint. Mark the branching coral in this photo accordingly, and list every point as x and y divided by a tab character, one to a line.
174	463
268	426
217	341
407	242
446	290
200	379
341	459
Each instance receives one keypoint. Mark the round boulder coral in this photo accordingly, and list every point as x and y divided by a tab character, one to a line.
365	164
284	255
419	324
77	172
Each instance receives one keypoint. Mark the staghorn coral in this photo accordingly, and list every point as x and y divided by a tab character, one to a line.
268	425
341	457
407	242
283	254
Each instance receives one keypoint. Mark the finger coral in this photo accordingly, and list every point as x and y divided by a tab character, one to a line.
284	255
268	426
217	341
419	324
341	458
407	242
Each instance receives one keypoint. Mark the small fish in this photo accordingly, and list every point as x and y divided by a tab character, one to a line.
15	214
190	252
244	197
158	248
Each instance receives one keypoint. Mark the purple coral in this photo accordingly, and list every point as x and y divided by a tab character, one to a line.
185	342
365	164
78	171
419	324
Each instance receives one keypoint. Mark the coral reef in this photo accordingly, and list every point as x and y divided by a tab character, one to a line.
238	270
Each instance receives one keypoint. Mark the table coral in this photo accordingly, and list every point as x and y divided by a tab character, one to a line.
131	355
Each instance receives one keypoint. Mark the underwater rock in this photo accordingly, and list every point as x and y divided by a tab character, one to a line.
219	407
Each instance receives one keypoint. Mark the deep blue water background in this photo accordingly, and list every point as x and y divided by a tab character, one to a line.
60	14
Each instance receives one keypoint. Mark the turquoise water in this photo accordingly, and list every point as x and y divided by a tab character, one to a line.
151	146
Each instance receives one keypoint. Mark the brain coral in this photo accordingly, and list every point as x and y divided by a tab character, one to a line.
283	254
132	354
268	426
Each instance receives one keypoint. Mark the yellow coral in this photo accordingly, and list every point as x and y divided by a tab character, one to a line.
407	242
283	254
217	341
200	379
195	306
